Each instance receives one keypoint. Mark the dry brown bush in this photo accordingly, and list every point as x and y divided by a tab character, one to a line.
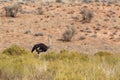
69	33
11	11
87	15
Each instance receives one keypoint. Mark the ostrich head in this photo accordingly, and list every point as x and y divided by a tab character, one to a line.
49	41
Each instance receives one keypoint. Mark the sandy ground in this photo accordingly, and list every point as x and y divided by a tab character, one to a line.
101	34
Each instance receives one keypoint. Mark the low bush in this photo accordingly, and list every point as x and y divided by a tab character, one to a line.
65	65
87	15
15	50
11	11
40	11
101	53
58	1
24	67
69	33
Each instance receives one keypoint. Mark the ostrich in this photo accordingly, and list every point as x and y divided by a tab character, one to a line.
41	47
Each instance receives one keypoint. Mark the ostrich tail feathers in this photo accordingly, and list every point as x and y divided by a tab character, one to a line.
33	49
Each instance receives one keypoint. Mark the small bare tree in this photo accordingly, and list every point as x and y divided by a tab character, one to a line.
11	11
69	33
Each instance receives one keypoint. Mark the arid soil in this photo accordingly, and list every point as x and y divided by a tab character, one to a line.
29	27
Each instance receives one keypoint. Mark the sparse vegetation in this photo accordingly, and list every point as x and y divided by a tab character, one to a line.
40	11
11	11
86	1
63	66
59	1
38	34
69	33
82	38
15	50
101	53
94	35
87	15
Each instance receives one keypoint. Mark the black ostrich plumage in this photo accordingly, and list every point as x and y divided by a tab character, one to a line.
41	47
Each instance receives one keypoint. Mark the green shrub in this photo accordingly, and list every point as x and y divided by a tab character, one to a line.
65	65
15	50
50	56
24	67
101	53
64	55
72	56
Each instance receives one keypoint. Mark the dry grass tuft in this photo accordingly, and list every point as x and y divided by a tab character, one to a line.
59	66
